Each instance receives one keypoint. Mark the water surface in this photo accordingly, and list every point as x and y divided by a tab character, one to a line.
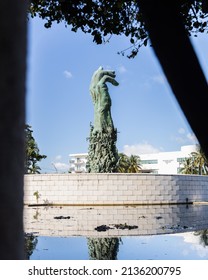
118	232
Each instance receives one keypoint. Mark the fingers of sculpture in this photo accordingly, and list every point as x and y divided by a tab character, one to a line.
107	78
115	83
102	73
99	80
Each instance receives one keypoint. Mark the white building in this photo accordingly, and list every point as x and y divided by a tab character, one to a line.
159	163
166	162
77	162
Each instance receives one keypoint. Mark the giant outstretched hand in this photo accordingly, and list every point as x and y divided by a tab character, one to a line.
99	80
101	98
102	155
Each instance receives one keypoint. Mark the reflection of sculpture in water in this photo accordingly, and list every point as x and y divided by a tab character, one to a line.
103	248
30	243
102	152
203	236
101	98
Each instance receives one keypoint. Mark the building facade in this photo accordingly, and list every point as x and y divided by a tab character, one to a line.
77	163
158	163
166	162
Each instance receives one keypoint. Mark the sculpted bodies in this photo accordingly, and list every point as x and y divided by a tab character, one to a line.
101	98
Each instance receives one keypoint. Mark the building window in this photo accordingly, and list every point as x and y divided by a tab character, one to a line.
149	161
179	170
181	160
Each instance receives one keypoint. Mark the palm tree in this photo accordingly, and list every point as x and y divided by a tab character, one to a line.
129	164
188	166
200	161
32	153
197	163
203	234
34	168
134	164
123	163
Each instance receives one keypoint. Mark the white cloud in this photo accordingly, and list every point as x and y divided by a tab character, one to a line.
122	69
156	79
192	137
60	166
185	137
159	79
181	130
59	157
140	148
180	140
68	74
194	240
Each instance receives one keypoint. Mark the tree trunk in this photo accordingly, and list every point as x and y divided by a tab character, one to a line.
12	120
179	62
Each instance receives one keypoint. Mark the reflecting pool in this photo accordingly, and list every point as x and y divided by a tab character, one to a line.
117	232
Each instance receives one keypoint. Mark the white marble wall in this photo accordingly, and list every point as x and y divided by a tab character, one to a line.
114	189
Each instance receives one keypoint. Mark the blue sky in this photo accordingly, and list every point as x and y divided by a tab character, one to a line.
179	246
59	105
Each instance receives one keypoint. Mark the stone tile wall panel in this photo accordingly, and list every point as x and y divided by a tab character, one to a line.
115	188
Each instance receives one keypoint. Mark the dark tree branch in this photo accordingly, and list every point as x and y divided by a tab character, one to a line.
179	62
